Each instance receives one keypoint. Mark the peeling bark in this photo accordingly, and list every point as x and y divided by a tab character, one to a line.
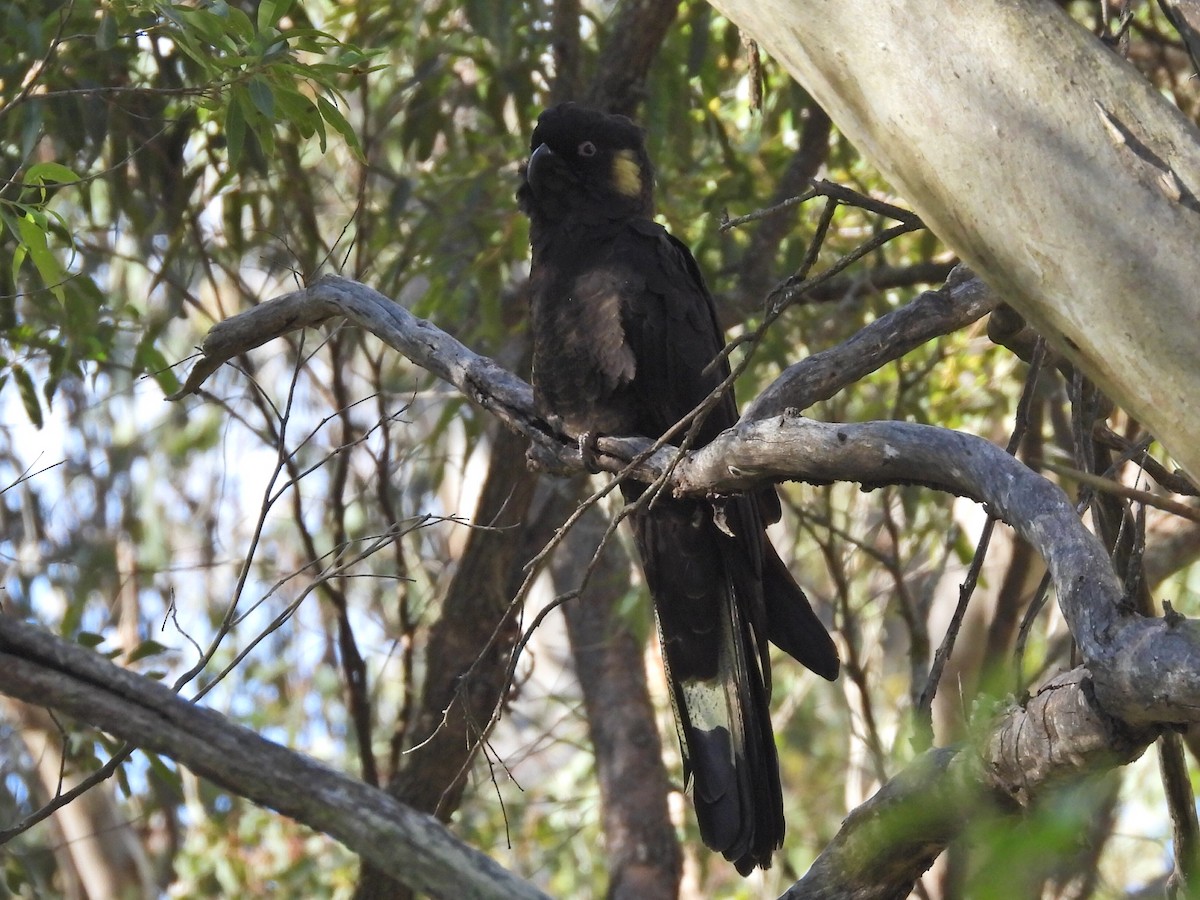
1049	164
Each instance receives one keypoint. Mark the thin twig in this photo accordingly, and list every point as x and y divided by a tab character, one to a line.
923	714
1181	803
1108	486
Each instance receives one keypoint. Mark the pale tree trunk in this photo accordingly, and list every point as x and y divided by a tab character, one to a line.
1043	158
99	852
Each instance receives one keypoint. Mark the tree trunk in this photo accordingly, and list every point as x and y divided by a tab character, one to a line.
641	846
1043	158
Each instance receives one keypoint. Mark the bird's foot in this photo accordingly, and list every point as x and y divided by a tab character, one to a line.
544	455
587	450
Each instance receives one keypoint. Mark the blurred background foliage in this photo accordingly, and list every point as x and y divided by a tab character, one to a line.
167	165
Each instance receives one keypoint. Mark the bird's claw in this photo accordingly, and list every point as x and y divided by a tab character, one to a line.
587	450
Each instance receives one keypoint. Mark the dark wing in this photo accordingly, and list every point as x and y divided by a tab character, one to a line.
673	333
707	565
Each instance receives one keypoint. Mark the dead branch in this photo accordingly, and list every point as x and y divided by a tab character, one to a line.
42	669
1138	672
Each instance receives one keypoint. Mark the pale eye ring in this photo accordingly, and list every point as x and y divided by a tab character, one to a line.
587	148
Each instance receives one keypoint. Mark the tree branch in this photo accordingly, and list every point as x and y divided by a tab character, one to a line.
480	379
962	300
888	842
1142	667
1028	164
636	31
468	647
1137	670
42	669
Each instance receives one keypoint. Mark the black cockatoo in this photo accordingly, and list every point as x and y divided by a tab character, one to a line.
625	335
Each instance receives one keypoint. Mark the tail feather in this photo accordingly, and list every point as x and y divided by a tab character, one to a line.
708	603
729	747
792	625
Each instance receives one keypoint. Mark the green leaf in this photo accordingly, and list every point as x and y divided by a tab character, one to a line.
172	15
144	650
270	12
168	776
10	221
262	96
15	877
33	237
89	639
62	362
123	781
82	315
106	34
260	130
52	172
319	126
235	133
29	397
274	45
308	41
209	24
149	359
32	132
334	117
239	23
298	110
14	227
266	14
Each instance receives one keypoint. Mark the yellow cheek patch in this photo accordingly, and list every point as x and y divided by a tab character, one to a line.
627	173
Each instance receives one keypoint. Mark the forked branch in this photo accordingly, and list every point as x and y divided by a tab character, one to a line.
1137	673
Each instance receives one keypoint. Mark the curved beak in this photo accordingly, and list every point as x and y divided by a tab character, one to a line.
538	160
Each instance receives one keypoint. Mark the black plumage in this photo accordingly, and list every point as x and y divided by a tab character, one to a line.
625	334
